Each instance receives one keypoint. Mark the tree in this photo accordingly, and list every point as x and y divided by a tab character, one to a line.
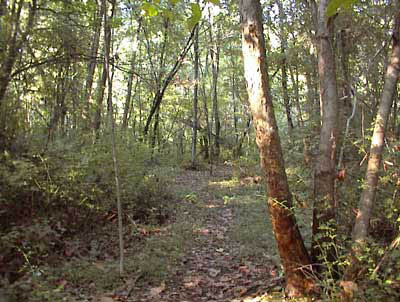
324	216
294	256
214	53
366	203
94	48
195	94
13	37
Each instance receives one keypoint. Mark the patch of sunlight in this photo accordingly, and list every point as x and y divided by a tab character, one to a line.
202	231
212	206
272	297
231	183
291	170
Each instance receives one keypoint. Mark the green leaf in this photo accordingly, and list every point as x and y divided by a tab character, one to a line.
196	11
173	2
335	5
216	2
150	9
196	16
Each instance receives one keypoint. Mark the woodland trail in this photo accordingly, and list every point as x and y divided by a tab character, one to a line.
213	269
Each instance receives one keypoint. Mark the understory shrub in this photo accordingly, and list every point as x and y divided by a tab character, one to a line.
47	199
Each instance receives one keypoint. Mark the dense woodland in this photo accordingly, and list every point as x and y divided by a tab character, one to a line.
106	104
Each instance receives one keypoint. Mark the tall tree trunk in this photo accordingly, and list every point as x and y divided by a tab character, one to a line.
214	53
294	76
130	79
291	247
60	109
235	109
324	213
15	40
111	125
195	95
94	49
207	138
284	79
360	230
103	80
101	86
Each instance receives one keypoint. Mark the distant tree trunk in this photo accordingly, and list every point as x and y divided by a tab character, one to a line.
163	87
103	80
128	96
59	110
101	86
14	39
310	108
239	145
235	109
155	129
214	53
207	138
284	79
360	230
324	212
91	68
291	247
195	94
130	81
294	76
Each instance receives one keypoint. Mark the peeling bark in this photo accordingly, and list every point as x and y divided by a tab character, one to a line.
294	256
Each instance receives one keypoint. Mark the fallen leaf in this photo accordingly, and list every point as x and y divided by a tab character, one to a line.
106	299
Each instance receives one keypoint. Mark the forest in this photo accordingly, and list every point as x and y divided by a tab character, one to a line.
199	150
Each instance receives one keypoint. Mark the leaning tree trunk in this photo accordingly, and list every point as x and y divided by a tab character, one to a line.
360	230
168	79
294	256
324	217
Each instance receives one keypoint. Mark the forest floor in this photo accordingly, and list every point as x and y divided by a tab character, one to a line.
231	254
216	245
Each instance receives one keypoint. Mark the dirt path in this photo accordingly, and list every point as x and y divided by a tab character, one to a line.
213	269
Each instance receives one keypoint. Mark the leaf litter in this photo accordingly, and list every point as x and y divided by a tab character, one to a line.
214	269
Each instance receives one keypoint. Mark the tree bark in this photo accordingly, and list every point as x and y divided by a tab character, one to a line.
103	80
284	78
160	92
294	256
15	39
214	53
295	81
195	95
366	203
130	80
91	68
324	216
101	86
